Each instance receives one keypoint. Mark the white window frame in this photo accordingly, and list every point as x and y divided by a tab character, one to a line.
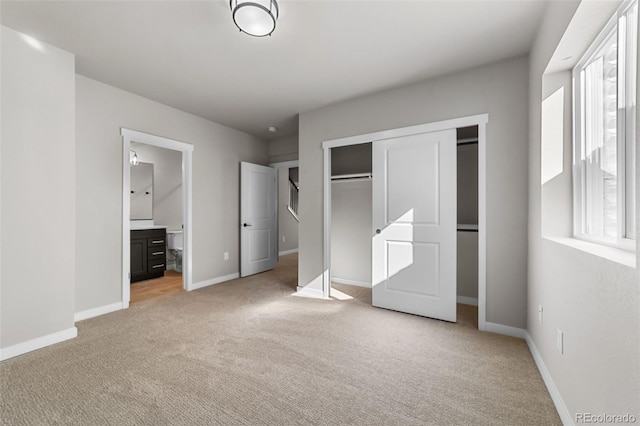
626	140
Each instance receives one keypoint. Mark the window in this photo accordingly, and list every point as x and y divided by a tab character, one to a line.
605	134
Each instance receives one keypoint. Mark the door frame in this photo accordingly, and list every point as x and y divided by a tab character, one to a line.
129	136
479	120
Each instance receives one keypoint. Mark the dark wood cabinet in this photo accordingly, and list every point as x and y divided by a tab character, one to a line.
148	253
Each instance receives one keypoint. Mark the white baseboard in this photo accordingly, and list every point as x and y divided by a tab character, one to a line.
94	312
350	282
214	281
520	333
565	416
464	300
309	292
38	343
286	252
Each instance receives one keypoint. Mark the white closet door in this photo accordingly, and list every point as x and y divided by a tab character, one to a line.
414	222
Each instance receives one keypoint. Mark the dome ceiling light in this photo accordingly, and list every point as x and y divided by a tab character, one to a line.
255	17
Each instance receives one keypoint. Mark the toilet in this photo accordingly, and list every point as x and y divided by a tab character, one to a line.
175	244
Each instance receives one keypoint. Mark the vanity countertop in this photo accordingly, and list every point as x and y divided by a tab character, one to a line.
136	227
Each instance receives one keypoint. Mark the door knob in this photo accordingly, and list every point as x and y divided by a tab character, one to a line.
245	225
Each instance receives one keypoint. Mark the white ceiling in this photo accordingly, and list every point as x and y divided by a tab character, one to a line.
189	54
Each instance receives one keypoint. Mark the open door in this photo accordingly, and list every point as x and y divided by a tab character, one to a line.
414	223
258	219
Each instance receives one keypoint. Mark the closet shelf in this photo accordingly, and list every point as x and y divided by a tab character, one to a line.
468	227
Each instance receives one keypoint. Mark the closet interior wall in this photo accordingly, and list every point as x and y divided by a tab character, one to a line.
467	235
351	215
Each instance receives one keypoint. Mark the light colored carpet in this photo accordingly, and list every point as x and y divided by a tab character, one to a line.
246	352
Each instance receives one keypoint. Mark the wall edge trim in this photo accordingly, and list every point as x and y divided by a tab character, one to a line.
464	300
553	390
356	283
100	310
213	281
286	252
506	330
309	292
37	343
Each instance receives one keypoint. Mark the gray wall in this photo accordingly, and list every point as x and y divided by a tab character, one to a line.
467	160
167	183
467	264
594	301
499	89
38	190
283	149
351	159
101	111
351	211
287	224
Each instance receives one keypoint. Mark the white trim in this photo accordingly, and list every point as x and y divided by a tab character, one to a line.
350	282
284	164
213	281
561	407
482	226
286	252
100	310
407	131
129	136
187	215
464	300
481	121
613	254
506	330
159	141
38	343
326	261
310	292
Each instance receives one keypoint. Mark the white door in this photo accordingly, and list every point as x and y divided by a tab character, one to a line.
414	224
258	218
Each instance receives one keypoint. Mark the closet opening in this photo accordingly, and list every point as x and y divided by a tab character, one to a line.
349	213
467	230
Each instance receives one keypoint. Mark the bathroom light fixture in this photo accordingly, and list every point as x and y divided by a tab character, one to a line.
133	158
255	17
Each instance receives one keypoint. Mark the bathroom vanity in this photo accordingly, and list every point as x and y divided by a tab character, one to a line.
148	253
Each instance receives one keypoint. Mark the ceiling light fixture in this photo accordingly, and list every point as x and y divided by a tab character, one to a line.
133	158
255	17
272	129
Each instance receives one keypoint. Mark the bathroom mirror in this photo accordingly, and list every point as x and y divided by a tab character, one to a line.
141	192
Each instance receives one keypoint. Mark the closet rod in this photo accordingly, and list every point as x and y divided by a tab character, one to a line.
468	141
351	177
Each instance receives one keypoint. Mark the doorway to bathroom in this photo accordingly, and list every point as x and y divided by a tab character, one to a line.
156	216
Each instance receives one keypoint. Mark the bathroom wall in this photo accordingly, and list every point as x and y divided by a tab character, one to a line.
167	183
